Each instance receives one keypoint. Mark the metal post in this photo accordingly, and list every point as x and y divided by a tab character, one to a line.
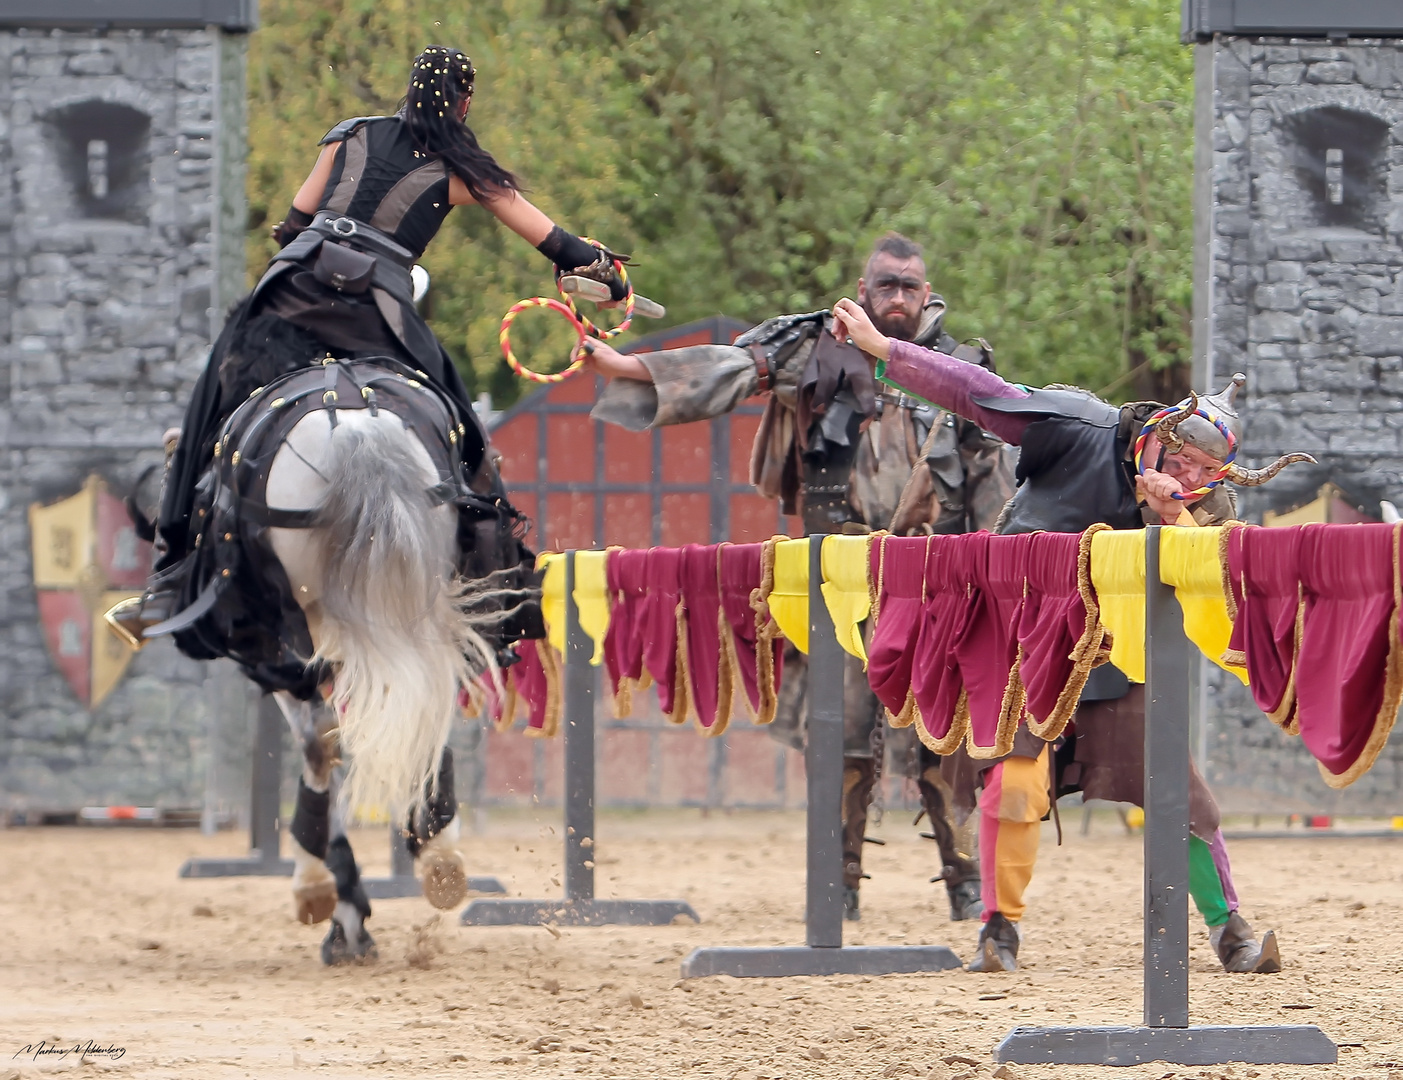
265	808
823	765
1166	800
580	755
579	907
824	953
1166	1034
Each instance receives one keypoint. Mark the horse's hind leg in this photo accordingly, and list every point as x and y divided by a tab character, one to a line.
432	837
313	885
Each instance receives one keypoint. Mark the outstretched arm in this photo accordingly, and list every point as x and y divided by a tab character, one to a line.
675	386
932	376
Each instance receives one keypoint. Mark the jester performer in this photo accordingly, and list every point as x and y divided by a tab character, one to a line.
850	458
378	193
1077	467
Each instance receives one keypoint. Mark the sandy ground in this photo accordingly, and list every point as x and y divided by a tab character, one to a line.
206	979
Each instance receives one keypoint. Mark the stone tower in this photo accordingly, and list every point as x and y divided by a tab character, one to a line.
122	215
1299	283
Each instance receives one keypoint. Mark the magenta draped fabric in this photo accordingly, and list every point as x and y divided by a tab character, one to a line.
1264	576
1347	677
897	567
994	569
661	617
757	666
1059	637
708	669
626	577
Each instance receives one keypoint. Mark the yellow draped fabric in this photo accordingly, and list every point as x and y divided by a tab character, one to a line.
1189	560
553	597
1118	575
789	600
845	588
591	597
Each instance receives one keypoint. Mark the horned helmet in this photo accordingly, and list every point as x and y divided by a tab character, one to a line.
1211	424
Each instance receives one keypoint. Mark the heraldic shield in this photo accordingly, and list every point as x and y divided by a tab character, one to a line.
87	557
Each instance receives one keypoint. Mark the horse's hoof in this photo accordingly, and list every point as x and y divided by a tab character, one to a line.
445	880
338	949
315	901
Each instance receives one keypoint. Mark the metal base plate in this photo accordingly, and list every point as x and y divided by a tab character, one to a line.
1286	1044
575	912
746	963
390	888
248	866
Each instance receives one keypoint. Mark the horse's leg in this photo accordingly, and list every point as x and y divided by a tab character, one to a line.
313	886
432	837
348	939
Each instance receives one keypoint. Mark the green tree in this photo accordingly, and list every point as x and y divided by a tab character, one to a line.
749	152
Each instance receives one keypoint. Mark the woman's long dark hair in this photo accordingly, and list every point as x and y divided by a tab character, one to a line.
439	81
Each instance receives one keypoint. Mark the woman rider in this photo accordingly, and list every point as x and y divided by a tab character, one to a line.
380	189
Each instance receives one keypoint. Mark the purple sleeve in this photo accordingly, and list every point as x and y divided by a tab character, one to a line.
954	384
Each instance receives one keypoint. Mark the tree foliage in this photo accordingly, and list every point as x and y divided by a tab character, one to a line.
750	151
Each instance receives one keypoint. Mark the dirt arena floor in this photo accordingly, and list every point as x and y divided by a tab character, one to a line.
214	979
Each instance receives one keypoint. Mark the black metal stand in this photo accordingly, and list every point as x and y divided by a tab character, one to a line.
1166	1034
824	952
578	907
265	832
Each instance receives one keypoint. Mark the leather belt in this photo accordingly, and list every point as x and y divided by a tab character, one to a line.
361	236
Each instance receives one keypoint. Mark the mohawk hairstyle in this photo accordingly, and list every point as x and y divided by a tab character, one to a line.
897	246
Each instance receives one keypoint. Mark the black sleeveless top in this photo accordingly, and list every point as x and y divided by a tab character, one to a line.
379	176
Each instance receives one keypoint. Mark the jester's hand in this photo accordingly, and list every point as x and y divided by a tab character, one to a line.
1158	490
612	364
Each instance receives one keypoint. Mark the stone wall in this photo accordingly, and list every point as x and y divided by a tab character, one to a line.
121	225
1300	286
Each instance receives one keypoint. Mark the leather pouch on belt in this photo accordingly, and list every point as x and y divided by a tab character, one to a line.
343	268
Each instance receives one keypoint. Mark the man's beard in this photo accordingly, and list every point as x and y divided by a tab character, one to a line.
896	325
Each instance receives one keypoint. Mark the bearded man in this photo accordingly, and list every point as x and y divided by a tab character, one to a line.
849	457
1077	468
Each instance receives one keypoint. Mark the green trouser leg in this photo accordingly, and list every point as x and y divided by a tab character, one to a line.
1205	886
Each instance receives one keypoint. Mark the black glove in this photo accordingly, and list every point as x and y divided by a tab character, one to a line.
285	231
572	255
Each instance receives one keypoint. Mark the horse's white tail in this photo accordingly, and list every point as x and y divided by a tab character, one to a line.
395	625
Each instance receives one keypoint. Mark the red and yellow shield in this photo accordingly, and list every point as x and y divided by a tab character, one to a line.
87	557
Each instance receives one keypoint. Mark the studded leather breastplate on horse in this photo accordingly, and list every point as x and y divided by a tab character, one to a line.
238	602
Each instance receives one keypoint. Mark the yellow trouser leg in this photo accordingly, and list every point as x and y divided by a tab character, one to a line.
1011	807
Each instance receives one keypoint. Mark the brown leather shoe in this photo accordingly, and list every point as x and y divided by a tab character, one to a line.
1240	952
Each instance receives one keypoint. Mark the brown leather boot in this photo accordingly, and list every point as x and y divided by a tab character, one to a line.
998	945
859	778
958	870
1239	951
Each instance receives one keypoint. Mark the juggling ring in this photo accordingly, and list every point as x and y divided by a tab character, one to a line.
1148	430
583	327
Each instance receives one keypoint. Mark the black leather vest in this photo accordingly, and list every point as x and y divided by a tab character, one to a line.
1072	472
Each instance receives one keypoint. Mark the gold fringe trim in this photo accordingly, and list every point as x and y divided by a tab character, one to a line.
1234	658
907	716
1091	650
1393	689
959	728
766	630
874	586
681	703
507	717
1224	569
728	646
550	664
725	676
